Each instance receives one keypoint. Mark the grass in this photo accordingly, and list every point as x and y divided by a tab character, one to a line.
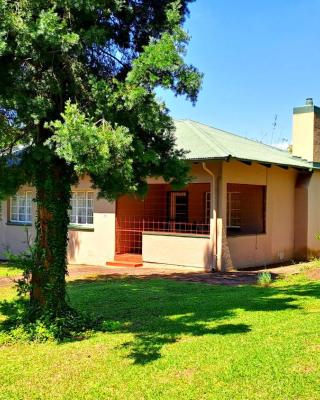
173	340
7	270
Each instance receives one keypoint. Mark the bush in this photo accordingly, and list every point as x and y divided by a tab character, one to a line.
264	279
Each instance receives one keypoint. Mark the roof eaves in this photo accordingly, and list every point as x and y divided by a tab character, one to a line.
308	167
230	158
226	158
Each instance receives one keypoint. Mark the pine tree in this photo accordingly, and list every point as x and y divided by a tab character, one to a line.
78	82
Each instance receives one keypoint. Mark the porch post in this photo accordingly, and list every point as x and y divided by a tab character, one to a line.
213	217
213	222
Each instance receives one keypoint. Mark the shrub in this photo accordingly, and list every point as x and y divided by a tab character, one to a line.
264	279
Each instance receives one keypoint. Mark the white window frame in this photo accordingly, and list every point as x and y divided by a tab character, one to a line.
232	209
75	203
18	197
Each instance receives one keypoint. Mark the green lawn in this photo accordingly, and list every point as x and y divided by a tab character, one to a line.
173	340
7	270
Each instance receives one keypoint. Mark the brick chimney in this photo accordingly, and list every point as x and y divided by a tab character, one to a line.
306	131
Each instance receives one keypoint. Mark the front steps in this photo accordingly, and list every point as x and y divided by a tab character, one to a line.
126	260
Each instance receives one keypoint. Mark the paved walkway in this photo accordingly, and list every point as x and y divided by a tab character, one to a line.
150	271
4	282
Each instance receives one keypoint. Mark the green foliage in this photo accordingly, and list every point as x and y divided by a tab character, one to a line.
25	263
77	90
96	149
22	327
9	270
264	279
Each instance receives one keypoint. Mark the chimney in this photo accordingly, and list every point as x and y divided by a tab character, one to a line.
306	131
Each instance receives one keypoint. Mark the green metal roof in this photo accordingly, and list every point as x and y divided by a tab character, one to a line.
202	142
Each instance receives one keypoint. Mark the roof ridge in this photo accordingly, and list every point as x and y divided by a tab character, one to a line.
207	137
192	127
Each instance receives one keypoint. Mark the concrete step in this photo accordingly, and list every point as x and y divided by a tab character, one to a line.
126	260
124	264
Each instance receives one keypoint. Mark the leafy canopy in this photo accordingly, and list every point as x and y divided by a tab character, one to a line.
78	80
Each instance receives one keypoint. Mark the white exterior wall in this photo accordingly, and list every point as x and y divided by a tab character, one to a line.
92	246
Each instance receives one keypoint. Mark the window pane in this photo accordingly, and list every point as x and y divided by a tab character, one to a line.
179	206
14	217
21	208
81	208
22	217
14	210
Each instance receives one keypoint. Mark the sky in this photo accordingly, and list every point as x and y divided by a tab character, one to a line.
260	59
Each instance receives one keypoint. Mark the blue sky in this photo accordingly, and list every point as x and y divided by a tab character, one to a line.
260	59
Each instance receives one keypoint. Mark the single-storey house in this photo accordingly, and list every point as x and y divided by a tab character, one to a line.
248	204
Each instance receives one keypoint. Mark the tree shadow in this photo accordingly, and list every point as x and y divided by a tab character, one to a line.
146	347
159	312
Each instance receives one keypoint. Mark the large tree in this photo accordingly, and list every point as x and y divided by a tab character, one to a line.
77	94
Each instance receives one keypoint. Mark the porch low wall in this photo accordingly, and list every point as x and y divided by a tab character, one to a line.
174	249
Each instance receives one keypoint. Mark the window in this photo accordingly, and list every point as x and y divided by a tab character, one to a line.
245	209
81	208
20	208
233	206
178	206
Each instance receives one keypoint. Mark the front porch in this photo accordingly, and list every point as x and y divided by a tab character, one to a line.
166	227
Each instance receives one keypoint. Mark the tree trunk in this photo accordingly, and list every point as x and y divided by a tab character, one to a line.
53	187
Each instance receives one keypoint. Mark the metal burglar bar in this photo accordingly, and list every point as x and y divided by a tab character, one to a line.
246	209
162	211
129	231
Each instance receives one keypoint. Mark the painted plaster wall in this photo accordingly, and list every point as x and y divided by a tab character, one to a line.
92	247
303	135
97	246
176	250
301	216
313	244
277	244
197	172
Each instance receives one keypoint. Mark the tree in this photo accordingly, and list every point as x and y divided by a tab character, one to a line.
77	93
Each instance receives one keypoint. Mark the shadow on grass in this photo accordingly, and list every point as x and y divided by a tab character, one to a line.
159	311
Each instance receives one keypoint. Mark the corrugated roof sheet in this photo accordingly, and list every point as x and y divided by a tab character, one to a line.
203	142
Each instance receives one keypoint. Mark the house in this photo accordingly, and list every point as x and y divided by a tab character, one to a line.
248	204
